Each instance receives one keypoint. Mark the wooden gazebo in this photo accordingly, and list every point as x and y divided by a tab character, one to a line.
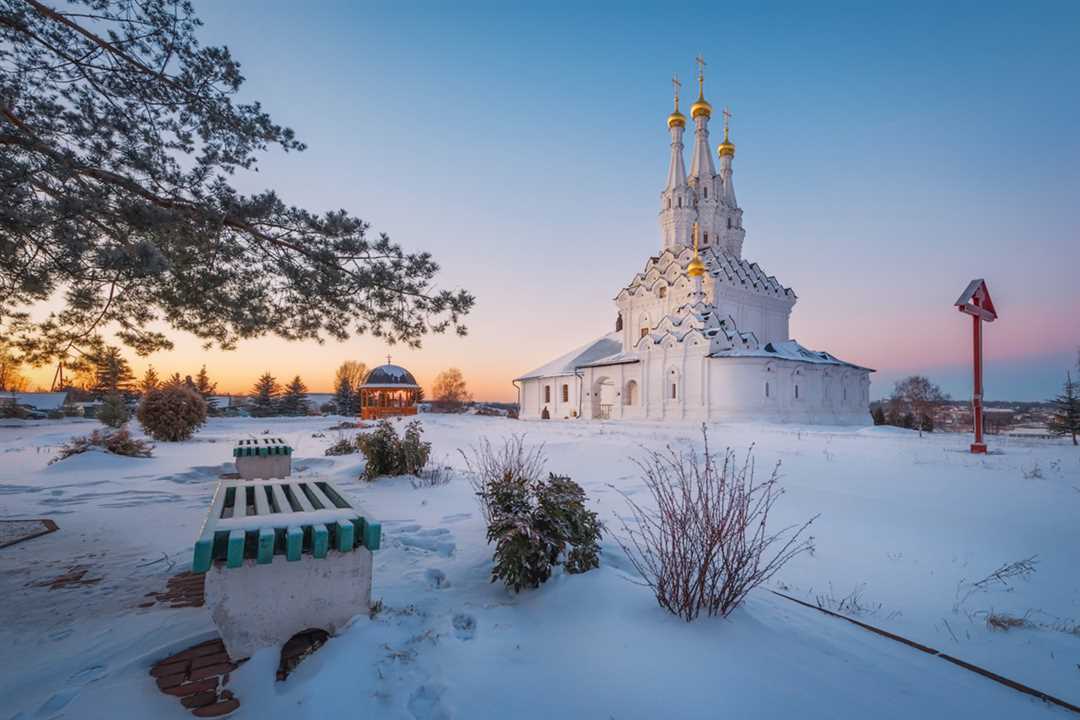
386	391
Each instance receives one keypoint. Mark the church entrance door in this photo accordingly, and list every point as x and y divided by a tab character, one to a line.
603	398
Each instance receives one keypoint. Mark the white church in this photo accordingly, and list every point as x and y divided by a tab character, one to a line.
701	333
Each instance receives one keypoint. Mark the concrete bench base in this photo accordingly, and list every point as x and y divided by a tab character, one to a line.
256	606
264	467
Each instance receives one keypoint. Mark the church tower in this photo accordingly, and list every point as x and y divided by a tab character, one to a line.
676	201
731	229
703	179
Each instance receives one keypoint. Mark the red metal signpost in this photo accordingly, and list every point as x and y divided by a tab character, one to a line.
976	302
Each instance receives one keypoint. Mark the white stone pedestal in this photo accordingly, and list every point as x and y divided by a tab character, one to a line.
264	467
256	606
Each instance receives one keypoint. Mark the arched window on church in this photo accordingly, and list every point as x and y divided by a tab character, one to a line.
644	331
663	291
766	388
618	322
680	202
796	391
547	393
705	239
566	393
729	223
706	192
669	203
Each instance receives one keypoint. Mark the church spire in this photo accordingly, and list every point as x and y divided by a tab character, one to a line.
676	205
733	234
701	165
676	123
726	151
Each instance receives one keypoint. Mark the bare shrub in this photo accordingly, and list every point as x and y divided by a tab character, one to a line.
1002	579
341	446
513	462
117	442
1004	621
707	543
433	474
1033	473
850	604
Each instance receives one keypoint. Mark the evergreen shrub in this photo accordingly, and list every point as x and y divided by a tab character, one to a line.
172	413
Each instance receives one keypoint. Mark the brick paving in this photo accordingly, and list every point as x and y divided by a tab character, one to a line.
298	648
197	677
74	577
181	591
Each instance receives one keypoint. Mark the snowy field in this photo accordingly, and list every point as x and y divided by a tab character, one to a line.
906	525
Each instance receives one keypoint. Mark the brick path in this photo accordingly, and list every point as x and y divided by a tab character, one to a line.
197	677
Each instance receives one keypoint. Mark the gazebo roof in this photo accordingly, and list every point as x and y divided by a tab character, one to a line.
389	377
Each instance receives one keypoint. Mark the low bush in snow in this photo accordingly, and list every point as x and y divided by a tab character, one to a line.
343	446
117	442
173	412
389	454
705	542
535	523
114	411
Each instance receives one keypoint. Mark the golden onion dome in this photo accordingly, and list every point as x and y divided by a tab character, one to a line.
676	118
726	148
696	268
701	107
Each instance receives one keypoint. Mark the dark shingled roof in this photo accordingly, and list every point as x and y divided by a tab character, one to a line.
390	375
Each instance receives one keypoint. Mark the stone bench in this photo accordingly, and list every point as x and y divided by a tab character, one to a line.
282	556
263	458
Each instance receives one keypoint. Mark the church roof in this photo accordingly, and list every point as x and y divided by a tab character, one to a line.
791	350
723	267
589	353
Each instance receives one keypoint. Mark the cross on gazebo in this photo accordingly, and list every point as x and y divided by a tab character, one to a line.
387	359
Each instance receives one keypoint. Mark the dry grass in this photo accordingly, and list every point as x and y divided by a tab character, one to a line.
1005	622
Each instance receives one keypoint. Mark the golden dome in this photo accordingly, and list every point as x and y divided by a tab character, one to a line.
696	268
701	107
676	118
726	148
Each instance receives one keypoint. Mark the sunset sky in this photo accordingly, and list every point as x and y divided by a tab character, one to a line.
886	156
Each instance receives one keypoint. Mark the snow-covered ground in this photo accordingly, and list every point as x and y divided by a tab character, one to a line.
904	522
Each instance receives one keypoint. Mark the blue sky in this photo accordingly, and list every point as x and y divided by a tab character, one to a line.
886	155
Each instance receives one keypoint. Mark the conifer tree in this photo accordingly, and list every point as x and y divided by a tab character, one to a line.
204	387
121	136
294	401
344	397
112	373
1066	417
175	379
149	380
264	396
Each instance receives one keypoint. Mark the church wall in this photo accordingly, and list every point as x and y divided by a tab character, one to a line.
533	397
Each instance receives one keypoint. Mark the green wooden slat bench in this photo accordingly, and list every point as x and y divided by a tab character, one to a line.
283	556
263	457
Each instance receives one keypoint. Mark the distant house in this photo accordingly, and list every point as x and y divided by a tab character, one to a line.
39	403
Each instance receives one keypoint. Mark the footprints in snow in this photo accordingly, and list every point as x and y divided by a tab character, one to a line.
426	703
464	626
436	579
436	540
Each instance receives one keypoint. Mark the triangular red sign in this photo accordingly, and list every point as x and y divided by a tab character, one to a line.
976	301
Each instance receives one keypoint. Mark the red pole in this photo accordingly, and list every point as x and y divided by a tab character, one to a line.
977	397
